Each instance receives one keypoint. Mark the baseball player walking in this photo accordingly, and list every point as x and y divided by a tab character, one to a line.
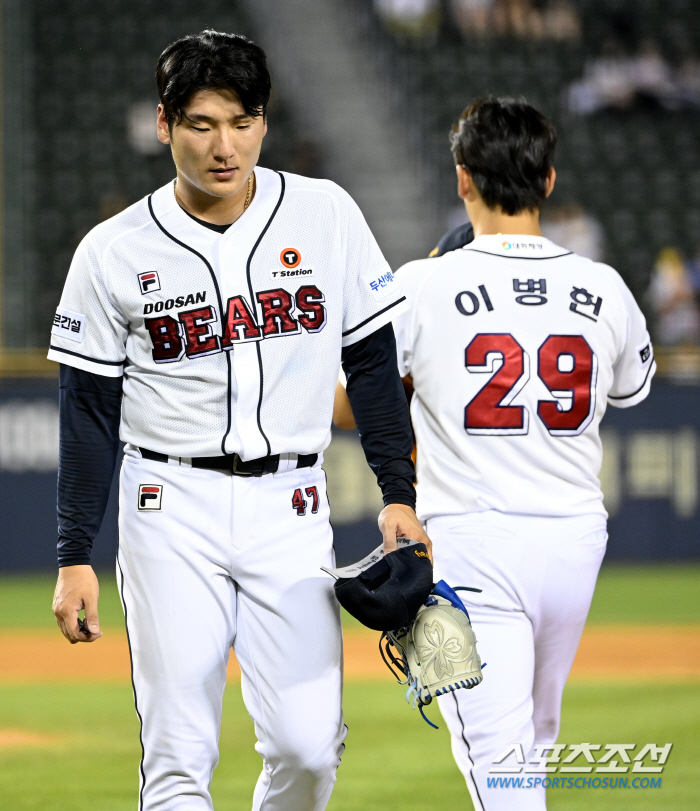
515	346
167	338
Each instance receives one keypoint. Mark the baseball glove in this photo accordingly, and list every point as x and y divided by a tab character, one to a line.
437	653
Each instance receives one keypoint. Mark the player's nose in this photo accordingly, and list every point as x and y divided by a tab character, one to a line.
224	147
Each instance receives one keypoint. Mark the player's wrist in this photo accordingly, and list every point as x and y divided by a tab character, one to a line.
73	560
400	501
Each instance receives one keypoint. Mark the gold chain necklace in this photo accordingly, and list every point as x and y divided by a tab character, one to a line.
248	195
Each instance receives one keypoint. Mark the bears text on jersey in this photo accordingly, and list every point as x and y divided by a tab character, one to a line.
192	333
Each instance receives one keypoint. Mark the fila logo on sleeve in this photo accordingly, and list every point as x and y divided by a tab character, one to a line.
150	497
149	282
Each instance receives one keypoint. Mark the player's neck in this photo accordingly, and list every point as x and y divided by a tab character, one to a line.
216	210
493	221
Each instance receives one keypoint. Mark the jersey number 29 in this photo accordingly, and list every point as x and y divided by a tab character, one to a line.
566	365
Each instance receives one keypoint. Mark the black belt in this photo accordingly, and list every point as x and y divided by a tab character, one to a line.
234	464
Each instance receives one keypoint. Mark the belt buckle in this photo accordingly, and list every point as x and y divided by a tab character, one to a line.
235	469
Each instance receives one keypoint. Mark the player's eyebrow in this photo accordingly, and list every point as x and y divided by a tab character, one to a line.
200	117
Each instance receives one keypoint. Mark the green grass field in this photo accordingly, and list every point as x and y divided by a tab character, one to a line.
393	760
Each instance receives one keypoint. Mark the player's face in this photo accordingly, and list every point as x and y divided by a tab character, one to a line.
217	144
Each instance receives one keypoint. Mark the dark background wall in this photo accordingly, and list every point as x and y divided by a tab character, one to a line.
650	477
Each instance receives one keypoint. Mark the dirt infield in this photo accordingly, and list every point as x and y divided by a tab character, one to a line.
15	738
606	652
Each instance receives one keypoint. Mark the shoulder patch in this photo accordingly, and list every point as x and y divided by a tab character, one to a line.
70	325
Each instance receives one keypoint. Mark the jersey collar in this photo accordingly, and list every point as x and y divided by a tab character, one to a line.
168	211
516	246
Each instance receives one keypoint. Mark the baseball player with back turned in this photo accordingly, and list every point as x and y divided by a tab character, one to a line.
515	346
204	326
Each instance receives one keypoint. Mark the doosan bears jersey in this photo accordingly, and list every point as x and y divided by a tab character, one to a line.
516	346
228	343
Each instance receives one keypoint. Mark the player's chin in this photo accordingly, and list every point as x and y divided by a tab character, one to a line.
223	185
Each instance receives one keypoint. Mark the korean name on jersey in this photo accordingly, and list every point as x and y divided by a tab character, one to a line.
228	342
516	346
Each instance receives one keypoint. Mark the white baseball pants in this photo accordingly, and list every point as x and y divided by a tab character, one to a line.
538	577
229	562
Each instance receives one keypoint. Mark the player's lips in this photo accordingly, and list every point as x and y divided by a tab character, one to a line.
224	174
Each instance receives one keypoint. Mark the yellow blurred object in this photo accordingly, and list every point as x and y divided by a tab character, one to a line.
26	363
670	262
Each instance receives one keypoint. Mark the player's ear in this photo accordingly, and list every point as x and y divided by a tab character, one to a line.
551	179
465	183
162	126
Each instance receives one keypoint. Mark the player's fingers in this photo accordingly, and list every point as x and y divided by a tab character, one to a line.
92	622
389	536
398	521
62	613
61	624
410	527
67	630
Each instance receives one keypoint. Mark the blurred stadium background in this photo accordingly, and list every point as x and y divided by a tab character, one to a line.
365	92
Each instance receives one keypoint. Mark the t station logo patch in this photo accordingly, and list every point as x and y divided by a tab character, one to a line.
290	258
149	282
150	497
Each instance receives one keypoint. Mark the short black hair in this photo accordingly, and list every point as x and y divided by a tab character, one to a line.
208	61
508	148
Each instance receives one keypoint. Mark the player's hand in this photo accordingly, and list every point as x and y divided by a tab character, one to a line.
77	588
399	520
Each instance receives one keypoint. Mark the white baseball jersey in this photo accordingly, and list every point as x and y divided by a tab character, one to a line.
190	317
516	346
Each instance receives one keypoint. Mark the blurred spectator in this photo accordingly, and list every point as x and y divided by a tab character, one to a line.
618	81
518	18
534	19
410	20
651	76
571	227
561	22
472	16
672	301
606	82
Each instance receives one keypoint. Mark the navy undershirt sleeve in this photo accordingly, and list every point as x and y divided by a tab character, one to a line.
380	409
89	415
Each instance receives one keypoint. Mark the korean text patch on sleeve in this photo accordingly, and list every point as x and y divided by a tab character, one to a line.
70	325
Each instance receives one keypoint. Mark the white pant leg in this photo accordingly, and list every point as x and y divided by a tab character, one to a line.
537	577
498	712
179	601
288	640
576	547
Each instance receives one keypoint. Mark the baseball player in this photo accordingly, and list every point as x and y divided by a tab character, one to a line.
515	346
204	326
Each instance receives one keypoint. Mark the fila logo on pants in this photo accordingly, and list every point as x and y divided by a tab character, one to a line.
150	497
